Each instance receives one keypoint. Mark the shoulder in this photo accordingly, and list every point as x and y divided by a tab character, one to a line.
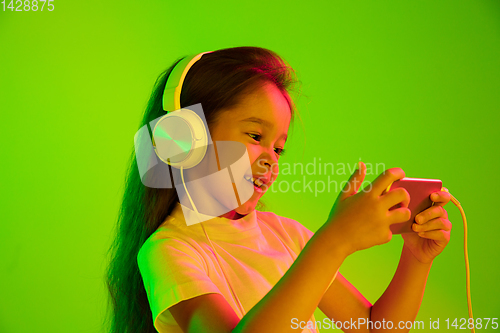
167	245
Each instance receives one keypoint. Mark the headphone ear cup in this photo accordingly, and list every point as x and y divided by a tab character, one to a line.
180	139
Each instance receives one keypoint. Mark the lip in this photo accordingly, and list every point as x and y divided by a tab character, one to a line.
263	179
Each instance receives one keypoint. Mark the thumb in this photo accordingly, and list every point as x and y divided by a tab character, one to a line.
354	183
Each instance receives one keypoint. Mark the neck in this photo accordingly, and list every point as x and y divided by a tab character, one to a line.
233	215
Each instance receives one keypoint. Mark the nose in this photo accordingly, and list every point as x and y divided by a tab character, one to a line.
269	161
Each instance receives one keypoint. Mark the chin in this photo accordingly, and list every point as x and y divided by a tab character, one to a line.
246	208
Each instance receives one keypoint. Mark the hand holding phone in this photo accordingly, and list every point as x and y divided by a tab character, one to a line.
419	190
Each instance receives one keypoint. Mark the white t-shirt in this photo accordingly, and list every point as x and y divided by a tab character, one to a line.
177	262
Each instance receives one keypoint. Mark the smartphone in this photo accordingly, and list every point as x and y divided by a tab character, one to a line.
420	190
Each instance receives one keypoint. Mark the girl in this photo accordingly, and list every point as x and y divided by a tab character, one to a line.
258	272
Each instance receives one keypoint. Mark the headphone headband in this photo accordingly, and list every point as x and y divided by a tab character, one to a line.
173	87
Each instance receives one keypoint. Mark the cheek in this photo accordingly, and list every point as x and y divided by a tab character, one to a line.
275	169
253	153
274	173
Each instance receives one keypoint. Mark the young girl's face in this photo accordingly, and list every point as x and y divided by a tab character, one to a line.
261	123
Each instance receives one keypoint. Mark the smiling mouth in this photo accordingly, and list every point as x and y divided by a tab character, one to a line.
255	181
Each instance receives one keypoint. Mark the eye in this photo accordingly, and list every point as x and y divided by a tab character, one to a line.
256	137
279	151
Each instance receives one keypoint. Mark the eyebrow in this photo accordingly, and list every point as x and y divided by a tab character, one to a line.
261	122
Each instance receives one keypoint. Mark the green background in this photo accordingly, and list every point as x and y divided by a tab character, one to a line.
405	83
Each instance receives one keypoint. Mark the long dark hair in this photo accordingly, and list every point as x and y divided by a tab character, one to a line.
217	81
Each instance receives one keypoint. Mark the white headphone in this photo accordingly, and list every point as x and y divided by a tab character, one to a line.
180	137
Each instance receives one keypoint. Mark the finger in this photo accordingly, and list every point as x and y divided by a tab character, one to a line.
398	195
440	198
431	213
438	235
353	184
434	224
399	215
386	178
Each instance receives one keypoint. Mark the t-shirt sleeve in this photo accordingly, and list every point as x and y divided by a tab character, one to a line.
172	271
